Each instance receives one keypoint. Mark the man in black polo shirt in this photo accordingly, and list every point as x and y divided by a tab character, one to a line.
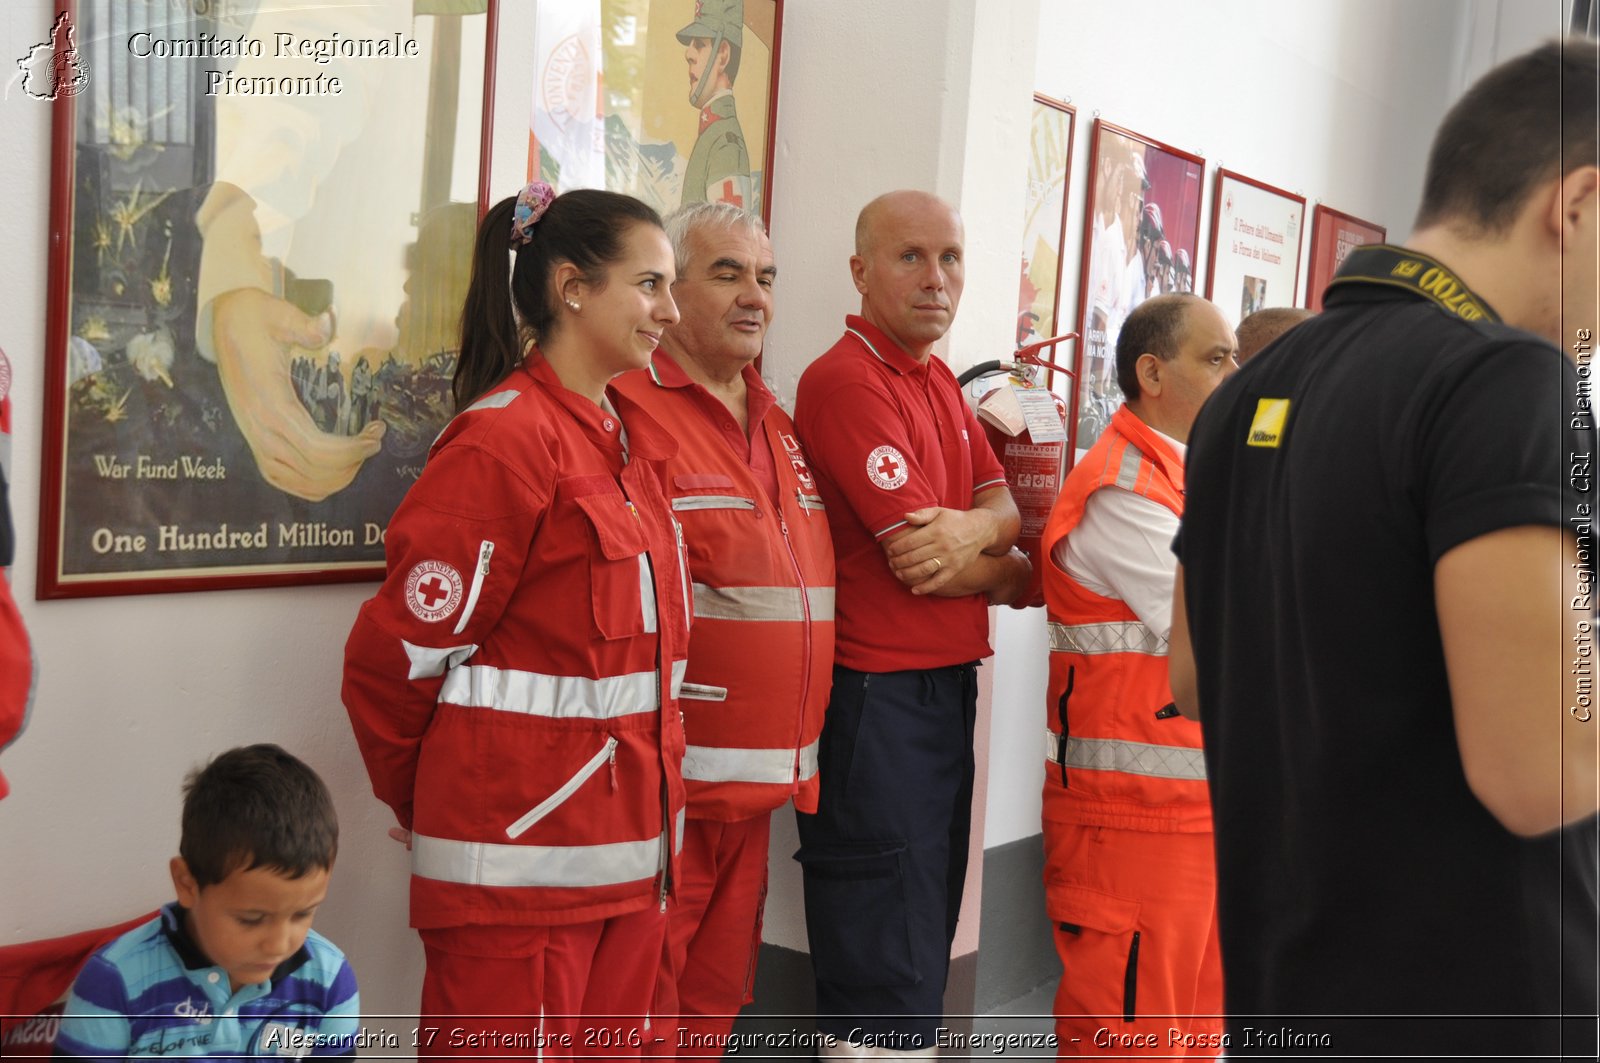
1383	615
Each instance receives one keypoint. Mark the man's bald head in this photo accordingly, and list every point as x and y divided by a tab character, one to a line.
909	267
1264	326
885	213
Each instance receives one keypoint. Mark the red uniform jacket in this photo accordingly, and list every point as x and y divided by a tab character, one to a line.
513	685
761	655
1117	754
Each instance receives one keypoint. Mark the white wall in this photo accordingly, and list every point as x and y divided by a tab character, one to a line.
1336	101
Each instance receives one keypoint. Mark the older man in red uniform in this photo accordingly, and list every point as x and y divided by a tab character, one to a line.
761	649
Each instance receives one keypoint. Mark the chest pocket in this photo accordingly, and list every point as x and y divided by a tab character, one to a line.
620	583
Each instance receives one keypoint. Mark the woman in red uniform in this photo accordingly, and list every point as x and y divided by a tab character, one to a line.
513	684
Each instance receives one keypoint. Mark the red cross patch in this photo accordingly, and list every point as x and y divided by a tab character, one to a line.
433	590
886	467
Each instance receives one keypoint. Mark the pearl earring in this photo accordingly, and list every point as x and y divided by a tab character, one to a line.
575	307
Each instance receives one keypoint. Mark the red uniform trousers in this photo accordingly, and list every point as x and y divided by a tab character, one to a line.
713	934
526	992
1141	968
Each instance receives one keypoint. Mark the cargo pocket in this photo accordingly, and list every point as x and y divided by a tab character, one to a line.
856	914
1083	911
620	581
749	995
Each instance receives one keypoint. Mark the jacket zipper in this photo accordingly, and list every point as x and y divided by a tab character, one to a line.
686	503
485	549
683	575
549	804
805	660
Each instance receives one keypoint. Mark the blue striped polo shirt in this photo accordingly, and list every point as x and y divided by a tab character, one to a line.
152	992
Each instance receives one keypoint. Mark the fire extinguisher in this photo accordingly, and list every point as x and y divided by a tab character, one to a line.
1026	424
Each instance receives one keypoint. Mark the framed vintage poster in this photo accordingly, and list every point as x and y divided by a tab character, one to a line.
1333	235
262	218
671	101
1045	218
1141	238
1044	226
1255	246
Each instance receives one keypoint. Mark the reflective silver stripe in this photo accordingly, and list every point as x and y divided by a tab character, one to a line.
689	502
704	692
498	400
1133	758
647	594
815	501
678	834
1128	468
430	661
1121	636
770	766
558	696
571	866
762	603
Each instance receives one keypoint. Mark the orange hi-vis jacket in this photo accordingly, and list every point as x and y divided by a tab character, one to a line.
761	652
513	684
1117	753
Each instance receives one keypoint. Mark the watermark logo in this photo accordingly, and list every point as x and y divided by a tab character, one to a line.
53	68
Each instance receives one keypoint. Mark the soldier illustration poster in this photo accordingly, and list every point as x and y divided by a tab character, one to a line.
666	100
1255	246
264	217
1141	238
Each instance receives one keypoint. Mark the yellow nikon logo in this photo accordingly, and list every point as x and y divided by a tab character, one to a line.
1266	428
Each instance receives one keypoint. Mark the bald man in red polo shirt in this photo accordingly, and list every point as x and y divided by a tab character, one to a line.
923	531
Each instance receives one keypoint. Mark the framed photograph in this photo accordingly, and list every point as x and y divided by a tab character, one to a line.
1141	238
1255	246
1333	235
670	101
262	218
1045	222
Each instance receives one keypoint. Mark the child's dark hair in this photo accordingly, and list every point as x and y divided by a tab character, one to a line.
256	806
585	227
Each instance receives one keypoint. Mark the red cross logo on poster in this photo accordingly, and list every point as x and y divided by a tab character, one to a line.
433	590
886	467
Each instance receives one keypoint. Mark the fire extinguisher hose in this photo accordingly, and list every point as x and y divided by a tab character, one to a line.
981	369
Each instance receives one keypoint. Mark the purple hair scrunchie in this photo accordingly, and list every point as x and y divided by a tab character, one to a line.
532	202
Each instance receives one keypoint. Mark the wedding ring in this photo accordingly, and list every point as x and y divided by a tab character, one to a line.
937	564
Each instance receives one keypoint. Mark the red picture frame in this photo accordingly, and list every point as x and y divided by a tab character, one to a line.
1333	235
1256	232
1049	164
121	353
1128	173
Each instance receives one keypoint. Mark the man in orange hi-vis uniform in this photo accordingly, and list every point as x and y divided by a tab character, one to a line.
1130	880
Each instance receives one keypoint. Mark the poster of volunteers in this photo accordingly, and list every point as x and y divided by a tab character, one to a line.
1334	235
1141	236
262	218
1255	246
667	100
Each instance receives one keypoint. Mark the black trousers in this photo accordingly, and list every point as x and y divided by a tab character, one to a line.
885	856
